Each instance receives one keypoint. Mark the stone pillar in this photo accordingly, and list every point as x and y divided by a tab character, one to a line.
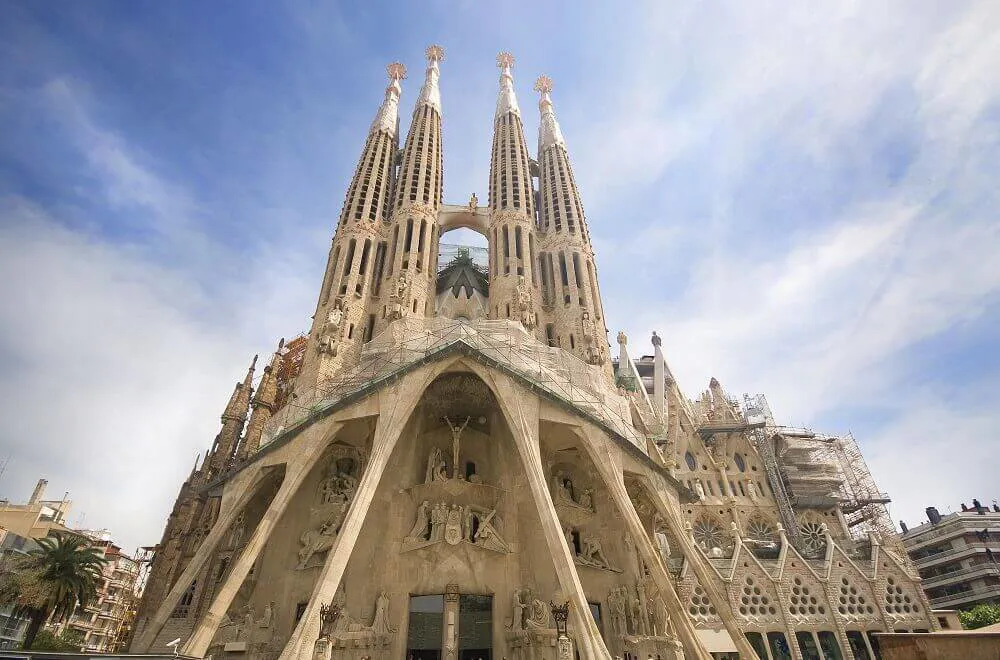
295	475
521	413
395	405
449	641
701	570
611	475
197	563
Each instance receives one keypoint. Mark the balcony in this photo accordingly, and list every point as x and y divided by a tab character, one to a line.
950	554
964	597
960	575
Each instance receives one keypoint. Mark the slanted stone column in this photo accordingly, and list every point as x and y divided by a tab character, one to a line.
207	548
395	405
295	475
521	412
700	567
611	474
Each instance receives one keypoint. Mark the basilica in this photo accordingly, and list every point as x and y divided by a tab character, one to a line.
453	463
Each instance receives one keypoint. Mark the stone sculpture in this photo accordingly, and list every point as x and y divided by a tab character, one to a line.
380	621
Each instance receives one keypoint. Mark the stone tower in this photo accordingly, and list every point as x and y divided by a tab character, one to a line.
513	280
343	318
413	229
444	468
574	313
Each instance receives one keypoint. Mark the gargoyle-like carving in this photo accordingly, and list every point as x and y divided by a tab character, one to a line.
523	304
399	301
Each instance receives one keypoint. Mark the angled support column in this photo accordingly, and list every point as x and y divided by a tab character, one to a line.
201	556
522	417
395	406
613	479
700	566
295	475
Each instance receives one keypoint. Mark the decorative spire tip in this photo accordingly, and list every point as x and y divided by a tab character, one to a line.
434	53
396	71
505	60
543	84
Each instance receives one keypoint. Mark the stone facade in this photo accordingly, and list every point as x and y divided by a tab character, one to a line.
430	487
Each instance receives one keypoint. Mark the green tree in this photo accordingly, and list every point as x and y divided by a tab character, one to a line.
51	581
70	641
985	614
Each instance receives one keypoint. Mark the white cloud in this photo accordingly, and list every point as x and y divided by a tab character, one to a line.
113	383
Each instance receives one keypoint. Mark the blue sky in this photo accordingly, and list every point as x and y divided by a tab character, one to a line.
801	200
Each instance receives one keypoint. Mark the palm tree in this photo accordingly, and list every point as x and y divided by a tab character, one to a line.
51	581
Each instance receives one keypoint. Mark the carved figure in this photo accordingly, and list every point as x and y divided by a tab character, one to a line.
439	515
419	530
752	490
319	540
330	332
456	439
662	617
432	463
538	615
622	338
247	623
487	535
268	617
664	543
399	304
699	490
473	203
522	302
592	553
587	499
644	623
522	599
329	615
380	622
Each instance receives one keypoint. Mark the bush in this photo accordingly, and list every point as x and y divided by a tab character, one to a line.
71	641
979	616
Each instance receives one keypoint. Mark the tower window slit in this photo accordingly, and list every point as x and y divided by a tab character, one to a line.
562	269
517	242
531	258
395	241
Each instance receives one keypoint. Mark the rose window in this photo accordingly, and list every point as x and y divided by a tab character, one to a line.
708	534
762	531
813	537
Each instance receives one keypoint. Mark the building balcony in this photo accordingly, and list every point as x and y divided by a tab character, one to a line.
961	575
950	555
966	597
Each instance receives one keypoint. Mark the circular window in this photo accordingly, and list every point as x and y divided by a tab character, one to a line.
689	459
740	463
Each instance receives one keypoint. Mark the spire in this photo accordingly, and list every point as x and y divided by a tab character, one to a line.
430	94
387	117
548	130
264	404
236	409
507	100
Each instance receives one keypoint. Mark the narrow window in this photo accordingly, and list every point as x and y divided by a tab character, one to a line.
395	241
531	259
562	269
371	327
517	242
350	331
409	235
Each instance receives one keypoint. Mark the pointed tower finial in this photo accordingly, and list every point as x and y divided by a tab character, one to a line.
388	114
507	101
430	94
549	132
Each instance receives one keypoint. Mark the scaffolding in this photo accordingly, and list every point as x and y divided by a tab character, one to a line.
755	411
504	344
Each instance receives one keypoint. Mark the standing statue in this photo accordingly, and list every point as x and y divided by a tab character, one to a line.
330	332
380	622
419	530
522	599
268	617
399	302
522	302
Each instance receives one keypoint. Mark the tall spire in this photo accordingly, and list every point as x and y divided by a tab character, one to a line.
341	321
507	99
233	418
412	245
263	404
430	94
548	129
387	117
568	269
